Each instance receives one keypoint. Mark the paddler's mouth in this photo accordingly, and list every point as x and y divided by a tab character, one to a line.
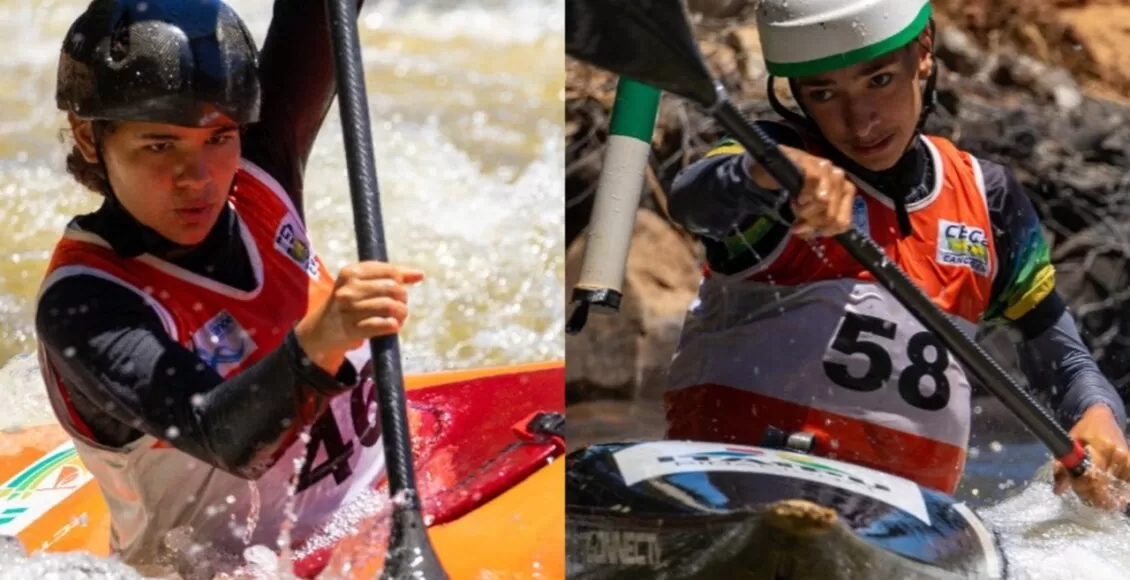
872	148
194	213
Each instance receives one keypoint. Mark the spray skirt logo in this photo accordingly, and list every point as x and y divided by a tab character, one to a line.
40	487
781	460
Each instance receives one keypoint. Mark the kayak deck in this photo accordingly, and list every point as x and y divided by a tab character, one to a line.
477	468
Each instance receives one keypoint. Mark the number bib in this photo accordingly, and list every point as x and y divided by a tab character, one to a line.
347	438
843	346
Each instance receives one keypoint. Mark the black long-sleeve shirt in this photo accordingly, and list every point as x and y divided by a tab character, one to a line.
715	199
123	373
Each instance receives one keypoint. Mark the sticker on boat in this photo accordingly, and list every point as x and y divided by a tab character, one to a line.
649	460
41	486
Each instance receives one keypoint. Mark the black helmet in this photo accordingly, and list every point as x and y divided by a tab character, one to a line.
162	61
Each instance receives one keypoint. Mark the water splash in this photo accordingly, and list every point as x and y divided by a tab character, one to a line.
1050	538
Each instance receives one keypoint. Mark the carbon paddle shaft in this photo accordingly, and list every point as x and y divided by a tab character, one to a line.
871	256
410	553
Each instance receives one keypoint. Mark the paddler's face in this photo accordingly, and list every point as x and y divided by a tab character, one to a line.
869	111
172	179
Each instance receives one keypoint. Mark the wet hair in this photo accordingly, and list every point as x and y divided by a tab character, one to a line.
91	175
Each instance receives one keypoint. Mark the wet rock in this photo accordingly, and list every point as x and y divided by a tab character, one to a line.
959	51
626	355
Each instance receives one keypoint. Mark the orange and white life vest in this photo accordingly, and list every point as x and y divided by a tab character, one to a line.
807	340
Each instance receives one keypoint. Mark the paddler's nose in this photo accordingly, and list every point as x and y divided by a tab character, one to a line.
862	119
191	173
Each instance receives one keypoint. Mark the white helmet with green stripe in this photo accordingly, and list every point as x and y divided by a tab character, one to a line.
811	37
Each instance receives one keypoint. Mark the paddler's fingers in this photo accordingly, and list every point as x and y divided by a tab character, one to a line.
374	270
378	326
811	208
381	307
1062	479
360	290
842	213
1095	489
410	275
1119	466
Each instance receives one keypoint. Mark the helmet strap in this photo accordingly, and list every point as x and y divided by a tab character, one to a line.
930	92
98	133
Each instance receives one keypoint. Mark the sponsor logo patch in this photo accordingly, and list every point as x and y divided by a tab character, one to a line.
40	487
963	246
292	242
222	343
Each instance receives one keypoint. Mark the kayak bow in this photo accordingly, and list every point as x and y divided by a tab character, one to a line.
680	509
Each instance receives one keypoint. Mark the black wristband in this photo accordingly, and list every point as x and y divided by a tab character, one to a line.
308	373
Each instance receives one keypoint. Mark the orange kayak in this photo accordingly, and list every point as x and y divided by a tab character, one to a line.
484	468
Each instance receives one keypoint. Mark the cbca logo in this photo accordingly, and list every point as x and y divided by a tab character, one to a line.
964	246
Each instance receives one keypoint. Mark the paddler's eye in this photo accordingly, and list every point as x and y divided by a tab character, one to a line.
882	80
158	147
820	95
220	139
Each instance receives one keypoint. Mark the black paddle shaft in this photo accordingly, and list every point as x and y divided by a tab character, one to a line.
887	273
410	553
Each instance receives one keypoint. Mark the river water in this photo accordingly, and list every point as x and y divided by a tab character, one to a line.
467	114
467	108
